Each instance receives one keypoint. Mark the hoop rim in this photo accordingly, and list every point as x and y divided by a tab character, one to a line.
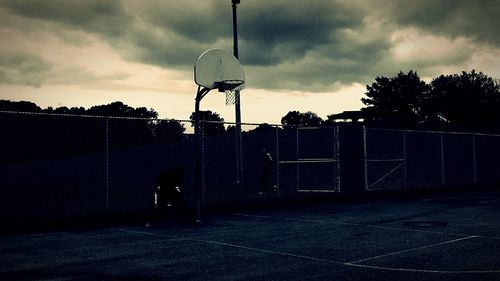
229	85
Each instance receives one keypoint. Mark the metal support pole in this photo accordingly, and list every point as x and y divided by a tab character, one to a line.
277	161
405	185
237	107
202	165
297	157
197	181
197	153
235	30
336	155
442	161
365	152
474	158
107	165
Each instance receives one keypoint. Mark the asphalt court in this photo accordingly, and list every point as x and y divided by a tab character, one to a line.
450	236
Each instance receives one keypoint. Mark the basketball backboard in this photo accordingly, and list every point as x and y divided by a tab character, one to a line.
218	69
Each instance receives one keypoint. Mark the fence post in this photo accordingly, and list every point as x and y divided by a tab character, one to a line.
337	155
203	182
297	157
404	159
277	161
442	159
107	162
365	158
474	158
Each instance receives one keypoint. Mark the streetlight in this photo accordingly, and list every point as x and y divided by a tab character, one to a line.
235	28
237	108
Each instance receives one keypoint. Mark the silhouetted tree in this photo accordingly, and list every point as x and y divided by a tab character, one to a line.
211	122
292	118
36	137
122	110
66	110
468	99
298	119
137	130
231	129
264	128
168	130
311	119
19	106
398	99
52	136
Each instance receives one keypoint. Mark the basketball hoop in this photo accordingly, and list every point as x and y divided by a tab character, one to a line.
230	87
214	69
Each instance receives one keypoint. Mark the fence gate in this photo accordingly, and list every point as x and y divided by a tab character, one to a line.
385	159
309	160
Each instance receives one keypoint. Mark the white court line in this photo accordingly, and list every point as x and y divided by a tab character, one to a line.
212	242
413	249
141	232
369	226
172	238
46	233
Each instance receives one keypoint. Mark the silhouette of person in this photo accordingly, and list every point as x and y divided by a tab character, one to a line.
169	195
169	192
266	183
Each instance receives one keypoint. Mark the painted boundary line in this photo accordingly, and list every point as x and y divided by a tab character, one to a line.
368	226
350	264
412	250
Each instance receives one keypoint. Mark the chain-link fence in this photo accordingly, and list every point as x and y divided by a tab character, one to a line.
65	166
399	159
277	161
55	166
62	166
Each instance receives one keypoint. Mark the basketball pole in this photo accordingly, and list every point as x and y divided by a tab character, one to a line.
214	69
237	107
202	92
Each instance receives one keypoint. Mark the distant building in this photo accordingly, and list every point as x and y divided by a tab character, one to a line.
346	116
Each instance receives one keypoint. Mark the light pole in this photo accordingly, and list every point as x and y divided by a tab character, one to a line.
237	108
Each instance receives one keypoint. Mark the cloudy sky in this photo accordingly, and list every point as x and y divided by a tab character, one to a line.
314	55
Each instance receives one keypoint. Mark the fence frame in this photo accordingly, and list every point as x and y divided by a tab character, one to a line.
403	160
335	160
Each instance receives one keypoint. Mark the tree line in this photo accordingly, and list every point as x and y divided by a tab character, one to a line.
469	101
81	131
147	125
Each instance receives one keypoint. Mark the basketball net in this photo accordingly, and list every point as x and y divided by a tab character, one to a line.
230	97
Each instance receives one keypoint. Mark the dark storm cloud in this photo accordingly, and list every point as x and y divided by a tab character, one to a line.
303	44
270	32
23	70
201	22
474	19
294	21
279	31
274	30
99	16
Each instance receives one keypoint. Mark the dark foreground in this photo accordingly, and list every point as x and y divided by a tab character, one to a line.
453	236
